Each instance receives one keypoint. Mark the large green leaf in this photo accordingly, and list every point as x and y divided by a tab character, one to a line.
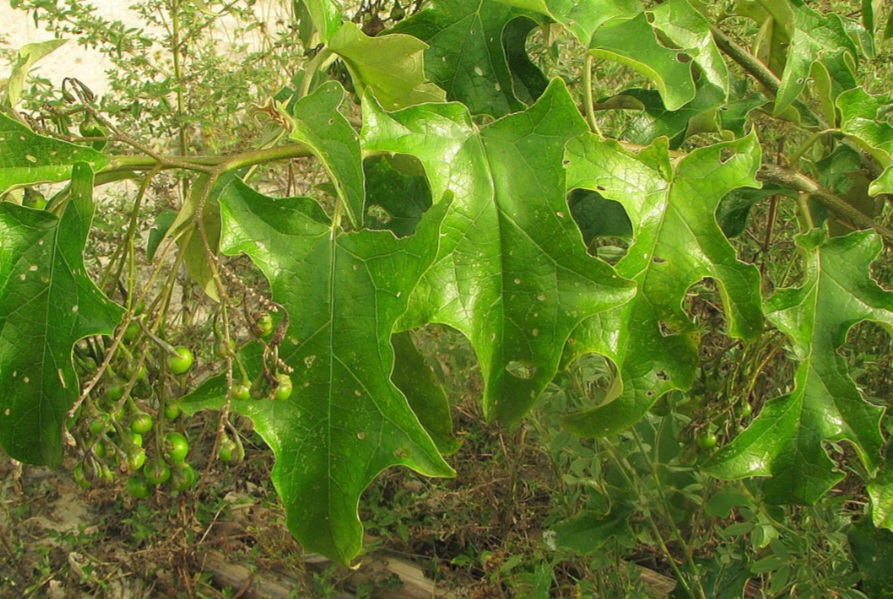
47	303
632	41
861	120
346	421
814	38
25	59
315	120
26	157
392	66
688	30
785	441
324	17
476	54
512	273
677	242
580	18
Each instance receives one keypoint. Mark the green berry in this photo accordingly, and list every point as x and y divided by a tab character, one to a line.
136	458
176	447
157	472
182	477
225	452
142	423
263	324
222	349
181	360
114	390
171	411
137	486
241	391
283	387
706	440
99	423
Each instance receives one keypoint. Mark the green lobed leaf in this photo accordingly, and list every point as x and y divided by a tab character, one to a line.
786	440
512	273
580	18
476	54
861	120
26	56
47	303
26	157
395	199
325	15
815	37
687	29
677	242
346	421
316	121
205	190
632	41
391	66
880	490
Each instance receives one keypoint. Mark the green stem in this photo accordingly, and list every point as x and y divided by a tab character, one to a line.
795	157
316	64
123	167
587	96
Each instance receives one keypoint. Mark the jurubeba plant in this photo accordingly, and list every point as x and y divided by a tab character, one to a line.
546	206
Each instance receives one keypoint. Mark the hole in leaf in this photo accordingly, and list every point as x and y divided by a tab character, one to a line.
397	193
662	375
603	223
521	369
868	351
528	82
589	380
726	154
665	329
658	260
683	57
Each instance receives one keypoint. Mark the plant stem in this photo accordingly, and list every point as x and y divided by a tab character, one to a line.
587	96
840	208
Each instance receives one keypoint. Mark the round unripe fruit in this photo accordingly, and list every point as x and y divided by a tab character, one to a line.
141	374
103	450
283	387
181	360
706	440
263	324
227	448
182	477
141	424
171	411
136	458
157	472
176	447
137	487
745	410
241	391
131	332
222	349
114	390
99	423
